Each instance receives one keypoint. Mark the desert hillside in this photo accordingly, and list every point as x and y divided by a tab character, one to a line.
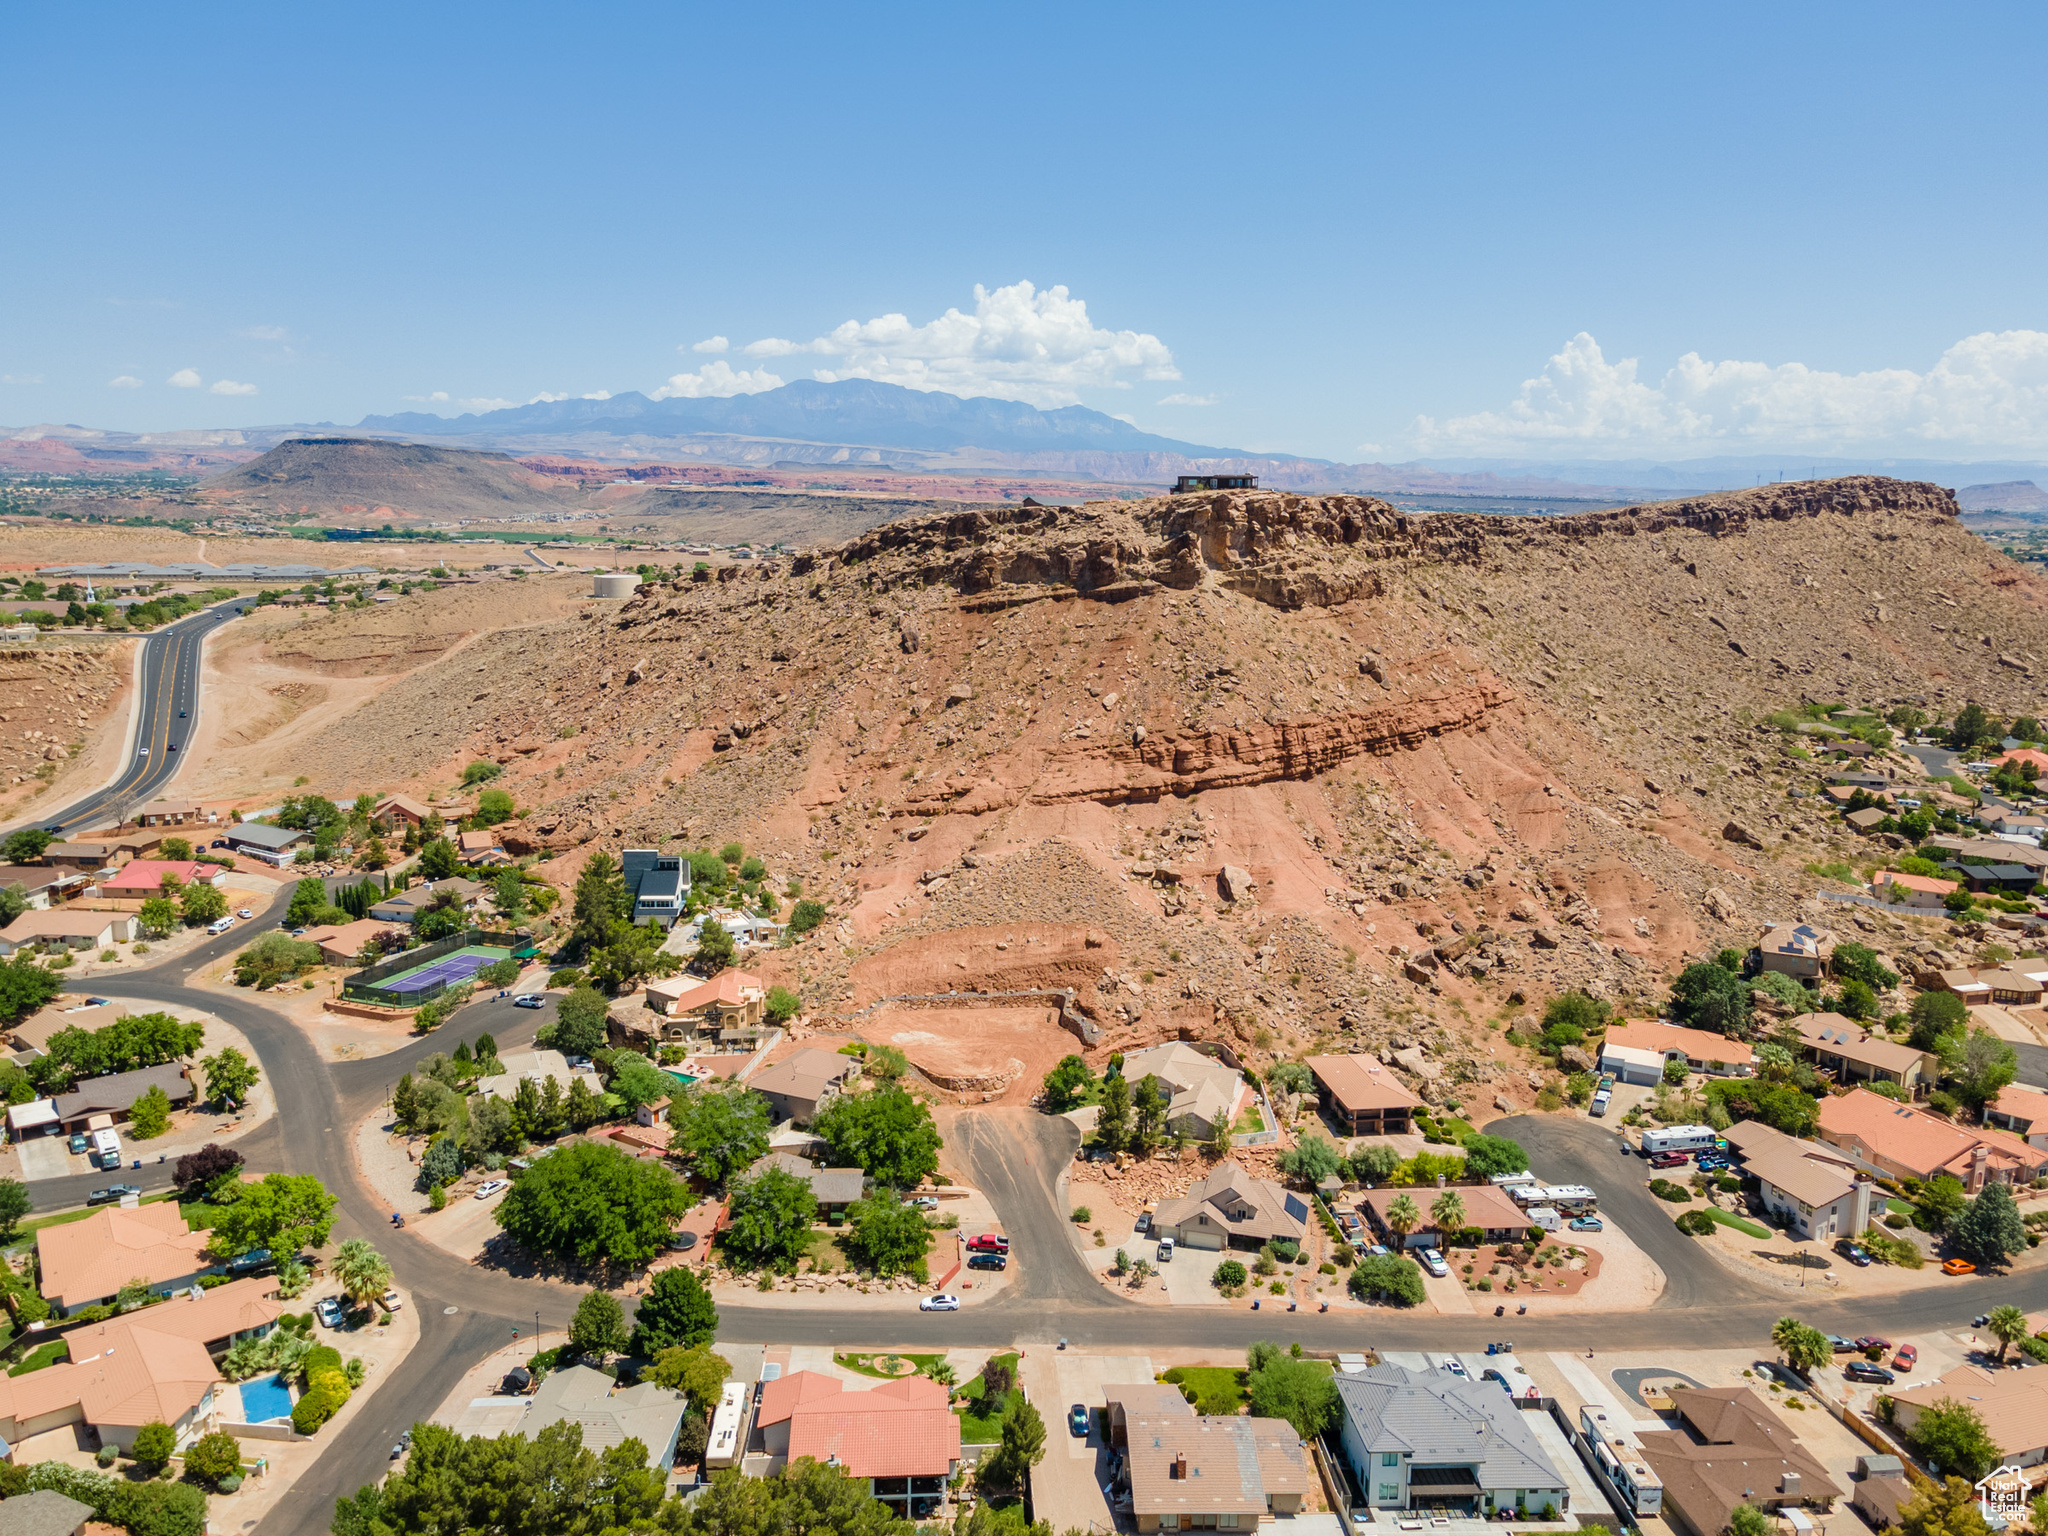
1461	761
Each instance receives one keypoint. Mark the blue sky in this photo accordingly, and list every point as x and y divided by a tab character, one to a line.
1351	231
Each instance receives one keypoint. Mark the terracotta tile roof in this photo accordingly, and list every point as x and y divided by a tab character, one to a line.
784	1395
1361	1083
898	1429
1697	1044
216	1314
1485	1206
141	1376
1213	1465
84	1260
2023	1103
1924	883
1916	1141
2013	1404
684	996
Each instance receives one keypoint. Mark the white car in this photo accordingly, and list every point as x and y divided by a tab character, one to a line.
490	1187
1434	1262
144	752
245	914
939	1303
391	1301
529	1000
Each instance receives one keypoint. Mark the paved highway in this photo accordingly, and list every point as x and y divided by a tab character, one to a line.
166	713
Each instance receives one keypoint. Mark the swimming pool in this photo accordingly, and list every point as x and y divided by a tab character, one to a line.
265	1397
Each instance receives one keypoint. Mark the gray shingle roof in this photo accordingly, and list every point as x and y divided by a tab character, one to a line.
1442	1419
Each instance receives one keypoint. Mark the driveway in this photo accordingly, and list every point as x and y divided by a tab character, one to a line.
47	1157
1066	1487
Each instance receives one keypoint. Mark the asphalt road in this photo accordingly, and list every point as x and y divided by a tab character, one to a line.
467	1309
167	711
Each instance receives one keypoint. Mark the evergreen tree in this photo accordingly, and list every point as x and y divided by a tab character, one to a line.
1113	1125
1989	1230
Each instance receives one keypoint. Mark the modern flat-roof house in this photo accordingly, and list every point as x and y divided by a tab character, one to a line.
1636	1052
1854	1055
1799	950
1819	1191
1212	1473
1362	1095
833	1188
67	928
901	1437
2022	1111
1896	1139
1428	1440
1205	1094
1231	1209
1486	1207
608	1415
1731	1449
659	884
273	843
731	1008
797	1087
2013	1405
87	1262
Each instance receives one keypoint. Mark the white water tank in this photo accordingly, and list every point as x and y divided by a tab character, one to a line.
614	584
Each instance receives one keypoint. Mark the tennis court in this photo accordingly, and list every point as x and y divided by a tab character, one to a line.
450	970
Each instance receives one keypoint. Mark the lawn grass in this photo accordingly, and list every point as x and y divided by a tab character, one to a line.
1219	1389
1250	1123
827	1252
1729	1219
200	1216
981	1422
40	1356
1898	1207
864	1363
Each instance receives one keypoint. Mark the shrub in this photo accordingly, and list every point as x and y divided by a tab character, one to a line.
214	1458
1664	1189
1229	1273
1694	1223
1083	1215
154	1444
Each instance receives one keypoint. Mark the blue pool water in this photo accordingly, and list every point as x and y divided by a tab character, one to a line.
265	1397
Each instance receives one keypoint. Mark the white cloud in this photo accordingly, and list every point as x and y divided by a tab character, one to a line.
442	397
1019	344
230	387
185	378
1988	391
598	394
709	344
717	379
21	378
1189	400
545	398
265	333
125	381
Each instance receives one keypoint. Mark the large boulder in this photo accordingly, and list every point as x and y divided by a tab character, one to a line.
1232	883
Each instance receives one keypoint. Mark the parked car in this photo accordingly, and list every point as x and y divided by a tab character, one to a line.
1871	1341
404	1445
1840	1345
529	1000
490	1187
1907	1357
1165	1255
1669	1159
245	914
1434	1262
1587	1224
78	1142
939	1303
1144	1221
391	1301
988	1242
1077	1420
577	1063
1959	1267
328	1310
1456	1368
996	1261
111	1193
1854	1253
926	1202
1866	1370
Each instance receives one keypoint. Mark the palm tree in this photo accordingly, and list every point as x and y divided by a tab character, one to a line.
2008	1325
1783	1334
363	1272
1403	1216
1448	1213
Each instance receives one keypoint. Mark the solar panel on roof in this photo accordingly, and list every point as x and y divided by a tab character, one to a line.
1295	1208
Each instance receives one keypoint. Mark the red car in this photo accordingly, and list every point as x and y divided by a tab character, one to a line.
1906	1358
1871	1341
988	1242
1670	1159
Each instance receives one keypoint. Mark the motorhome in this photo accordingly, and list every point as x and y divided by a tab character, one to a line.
1679	1138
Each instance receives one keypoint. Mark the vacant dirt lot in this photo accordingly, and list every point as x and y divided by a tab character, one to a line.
1002	1051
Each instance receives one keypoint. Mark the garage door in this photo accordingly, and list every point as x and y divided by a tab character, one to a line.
1200	1239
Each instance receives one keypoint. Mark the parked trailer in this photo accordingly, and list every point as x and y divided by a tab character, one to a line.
1679	1138
1577	1199
728	1428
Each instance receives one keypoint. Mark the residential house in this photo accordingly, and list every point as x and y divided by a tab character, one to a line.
278	845
1228	1208
730	1008
170	813
2006	822
1731	1449
219	1318
115	1094
1819	1193
1800	950
607	1414
1362	1096
1867	819
1896	1139
1961	981
2024	755
342	943
1881	1489
85	857
658	883
479	848
798	1086
1636	1052
1213	1473
1914	892
1990	850
833	1188
747	930
85	1263
43	889
140	879
1204	1094
1875	780
515	1067
2013	1405
69	1011
1129	1401
2003	876
1428	1440
2014	988
43	1512
2022	1111
142	1377
1854	1055
403	906
1489	1209
67	928
900	1437
400	808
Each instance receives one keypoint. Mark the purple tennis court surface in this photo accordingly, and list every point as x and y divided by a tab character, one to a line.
460	966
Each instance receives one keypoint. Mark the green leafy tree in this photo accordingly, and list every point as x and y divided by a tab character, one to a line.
676	1313
888	1236
27	845
1951	1435
1936	1015
229	1077
439	859
508	895
769	1220
1989	1230
722	1131
157	917
1227	1275
1387	1278
598	1328
1970	726
443	1162
1860	961
1375	1162
154	1444
283	1212
593	1203
202	903
15	1203
2008	1325
715	948
1312	1159
1706	996
1949	1507
25	986
1855	1000
1805	1348
886	1133
1486	1156
150	1116
696	1372
494	806
1778	1105
805	916
1940	1201
1748	1520
781	1005
580	1022
1303	1392
214	1458
546	1484
601	900
1113	1122
637	1080
1068	1085
309	900
1977	1065
213	1171
361	1271
479	773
